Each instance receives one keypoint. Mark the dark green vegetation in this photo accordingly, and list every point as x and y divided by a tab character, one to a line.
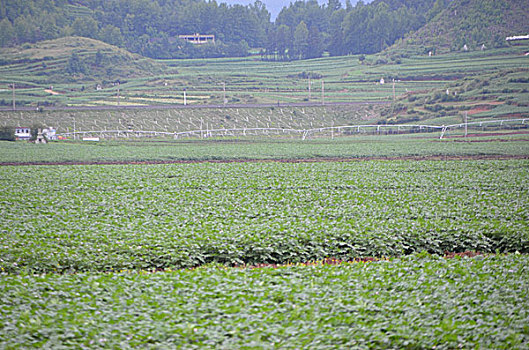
7	133
472	23
301	30
419	302
94	218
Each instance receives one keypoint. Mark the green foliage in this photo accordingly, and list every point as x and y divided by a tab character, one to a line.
472	23
416	303
75	66
151	28
386	146
7	133
161	216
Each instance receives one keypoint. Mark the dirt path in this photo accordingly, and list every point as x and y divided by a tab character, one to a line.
49	91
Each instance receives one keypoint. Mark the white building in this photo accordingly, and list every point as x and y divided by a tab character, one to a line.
22	133
50	133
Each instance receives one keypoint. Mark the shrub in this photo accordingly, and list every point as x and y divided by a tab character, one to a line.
7	133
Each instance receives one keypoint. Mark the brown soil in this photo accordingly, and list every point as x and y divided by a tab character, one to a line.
284	160
333	261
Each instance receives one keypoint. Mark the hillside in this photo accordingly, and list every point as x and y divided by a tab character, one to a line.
469	22
72	59
153	28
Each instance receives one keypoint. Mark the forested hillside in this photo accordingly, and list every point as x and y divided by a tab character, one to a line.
302	30
471	23
151	28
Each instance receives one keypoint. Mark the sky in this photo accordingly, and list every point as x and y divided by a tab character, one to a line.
275	6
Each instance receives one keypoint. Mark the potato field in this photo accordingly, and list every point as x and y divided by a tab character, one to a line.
329	244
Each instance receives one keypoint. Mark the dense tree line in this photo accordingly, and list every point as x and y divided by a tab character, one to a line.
304	29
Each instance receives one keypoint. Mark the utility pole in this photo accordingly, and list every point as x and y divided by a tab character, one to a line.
322	92
466	123
309	88
185	98
118	93
394	96
14	108
224	92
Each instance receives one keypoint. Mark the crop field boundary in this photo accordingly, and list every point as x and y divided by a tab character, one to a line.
332	131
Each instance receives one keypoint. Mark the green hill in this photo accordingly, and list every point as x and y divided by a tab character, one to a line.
72	59
472	23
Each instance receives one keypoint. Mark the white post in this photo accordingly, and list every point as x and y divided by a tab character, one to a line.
224	92
442	132
185	98
322	92
466	123
309	88
14	108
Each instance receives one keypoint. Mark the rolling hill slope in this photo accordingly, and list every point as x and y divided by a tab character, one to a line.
72	59
469	22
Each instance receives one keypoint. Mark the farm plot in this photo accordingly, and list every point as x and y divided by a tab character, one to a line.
103	218
420	302
256	148
177	120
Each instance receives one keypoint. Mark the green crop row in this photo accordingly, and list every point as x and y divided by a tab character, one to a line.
245	148
94	218
421	302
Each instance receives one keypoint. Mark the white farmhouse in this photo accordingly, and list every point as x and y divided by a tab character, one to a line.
22	133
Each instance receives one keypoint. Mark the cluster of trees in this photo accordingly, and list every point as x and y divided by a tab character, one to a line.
304	29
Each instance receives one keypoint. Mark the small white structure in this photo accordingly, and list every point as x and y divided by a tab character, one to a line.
40	138
22	133
50	133
91	139
382	82
198	38
465	47
517	37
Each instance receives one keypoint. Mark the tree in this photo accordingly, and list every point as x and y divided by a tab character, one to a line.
6	32
98	60
301	40
111	35
283	41
75	65
85	27
315	47
335	44
333	5
25	29
7	133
